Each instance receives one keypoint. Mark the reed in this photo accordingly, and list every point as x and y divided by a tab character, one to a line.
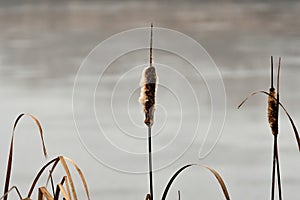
273	116
147	99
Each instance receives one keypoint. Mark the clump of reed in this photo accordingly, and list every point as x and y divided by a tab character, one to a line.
147	99
273	115
66	186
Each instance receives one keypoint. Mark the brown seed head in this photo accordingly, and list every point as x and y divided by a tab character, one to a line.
147	97
273	111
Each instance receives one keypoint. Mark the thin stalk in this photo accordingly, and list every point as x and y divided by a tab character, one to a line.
273	169
151	36
278	173
276	144
150	163
272	86
277	168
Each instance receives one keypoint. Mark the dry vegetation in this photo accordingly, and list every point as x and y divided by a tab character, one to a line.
65	188
273	115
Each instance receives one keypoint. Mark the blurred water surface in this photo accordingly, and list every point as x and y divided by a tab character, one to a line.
43	43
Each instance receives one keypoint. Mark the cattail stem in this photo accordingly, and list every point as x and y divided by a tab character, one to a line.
147	99
278	171
276	167
272	86
274	116
276	143
150	163
151	38
273	170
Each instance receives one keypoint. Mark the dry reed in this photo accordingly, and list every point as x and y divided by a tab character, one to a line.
66	186
273	115
147	99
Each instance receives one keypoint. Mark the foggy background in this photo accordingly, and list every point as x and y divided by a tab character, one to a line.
43	43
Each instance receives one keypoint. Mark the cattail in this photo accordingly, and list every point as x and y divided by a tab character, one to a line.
147	97
148	89
273	111
273	114
273	105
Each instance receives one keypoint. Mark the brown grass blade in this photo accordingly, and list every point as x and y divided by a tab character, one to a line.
250	95
214	172
220	180
10	157
57	191
293	125
11	189
43	192
178	194
81	176
63	192
66	168
53	161
52	185
62	160
51	172
68	188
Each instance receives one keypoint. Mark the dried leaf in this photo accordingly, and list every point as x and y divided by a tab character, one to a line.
215	173
11	189
43	192
55	160
10	157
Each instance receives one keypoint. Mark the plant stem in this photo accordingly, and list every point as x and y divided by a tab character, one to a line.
150	162
278	172
276	167
273	168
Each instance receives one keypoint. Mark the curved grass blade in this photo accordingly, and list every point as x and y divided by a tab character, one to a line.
285	111
57	191
250	95
52	185
293	125
43	192
10	157
63	192
55	160
66	168
78	171
11	189
81	176
214	172
51	172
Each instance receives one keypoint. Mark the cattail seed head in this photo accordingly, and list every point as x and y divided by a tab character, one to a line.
273	111
147	97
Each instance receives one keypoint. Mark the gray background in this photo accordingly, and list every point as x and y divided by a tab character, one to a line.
42	44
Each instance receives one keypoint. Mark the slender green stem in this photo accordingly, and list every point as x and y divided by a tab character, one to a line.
150	163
